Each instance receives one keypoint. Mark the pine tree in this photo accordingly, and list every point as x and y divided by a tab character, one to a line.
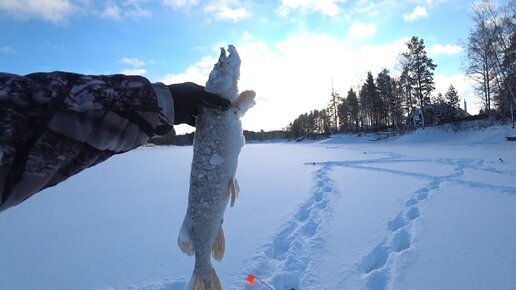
343	113
397	109
439	99
354	108
419	69
370	103
406	90
384	83
452	97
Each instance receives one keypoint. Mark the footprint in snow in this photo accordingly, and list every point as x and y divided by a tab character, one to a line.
319	195
377	281
376	259
412	213
304	212
396	223
422	196
310	228
411	202
401	241
287	256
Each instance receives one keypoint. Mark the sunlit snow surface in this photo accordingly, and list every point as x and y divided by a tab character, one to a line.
431	210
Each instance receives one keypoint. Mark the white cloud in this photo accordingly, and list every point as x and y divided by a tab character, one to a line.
232	14
132	61
136	66
50	10
227	10
418	12
134	71
361	30
7	49
326	7
196	73
448	49
181	3
128	9
294	76
234	10
133	9
59	11
112	11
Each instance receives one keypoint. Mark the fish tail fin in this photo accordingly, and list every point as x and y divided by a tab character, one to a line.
209	281
234	190
244	102
220	246
184	241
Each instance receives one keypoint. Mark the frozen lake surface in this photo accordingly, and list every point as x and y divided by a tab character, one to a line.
432	210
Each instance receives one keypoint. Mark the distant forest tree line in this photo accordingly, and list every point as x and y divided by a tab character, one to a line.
187	139
389	102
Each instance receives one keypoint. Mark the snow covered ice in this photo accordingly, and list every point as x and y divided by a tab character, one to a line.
430	210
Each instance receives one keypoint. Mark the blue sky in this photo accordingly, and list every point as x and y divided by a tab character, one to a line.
291	50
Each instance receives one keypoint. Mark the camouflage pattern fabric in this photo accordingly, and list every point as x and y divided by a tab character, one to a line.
54	125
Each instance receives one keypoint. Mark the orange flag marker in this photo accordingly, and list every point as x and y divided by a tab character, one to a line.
250	278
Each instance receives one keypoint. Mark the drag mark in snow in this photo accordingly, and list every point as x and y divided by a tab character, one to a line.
283	261
477	164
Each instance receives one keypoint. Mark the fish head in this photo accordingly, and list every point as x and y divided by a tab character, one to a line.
223	79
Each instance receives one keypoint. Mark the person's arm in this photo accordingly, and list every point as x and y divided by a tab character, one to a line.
54	125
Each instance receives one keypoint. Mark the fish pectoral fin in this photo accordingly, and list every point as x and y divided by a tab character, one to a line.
184	241
208	281
220	246
234	190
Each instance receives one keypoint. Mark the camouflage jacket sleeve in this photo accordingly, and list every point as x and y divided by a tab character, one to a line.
54	125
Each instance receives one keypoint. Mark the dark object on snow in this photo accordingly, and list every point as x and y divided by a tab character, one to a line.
54	125
510	138
383	135
501	160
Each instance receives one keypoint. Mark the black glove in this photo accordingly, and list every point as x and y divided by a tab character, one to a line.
189	97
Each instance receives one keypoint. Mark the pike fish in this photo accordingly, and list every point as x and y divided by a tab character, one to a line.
218	140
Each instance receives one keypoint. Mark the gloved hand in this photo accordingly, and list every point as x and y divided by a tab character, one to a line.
189	98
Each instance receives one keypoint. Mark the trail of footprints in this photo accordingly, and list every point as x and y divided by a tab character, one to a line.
286	258
400	229
398	239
